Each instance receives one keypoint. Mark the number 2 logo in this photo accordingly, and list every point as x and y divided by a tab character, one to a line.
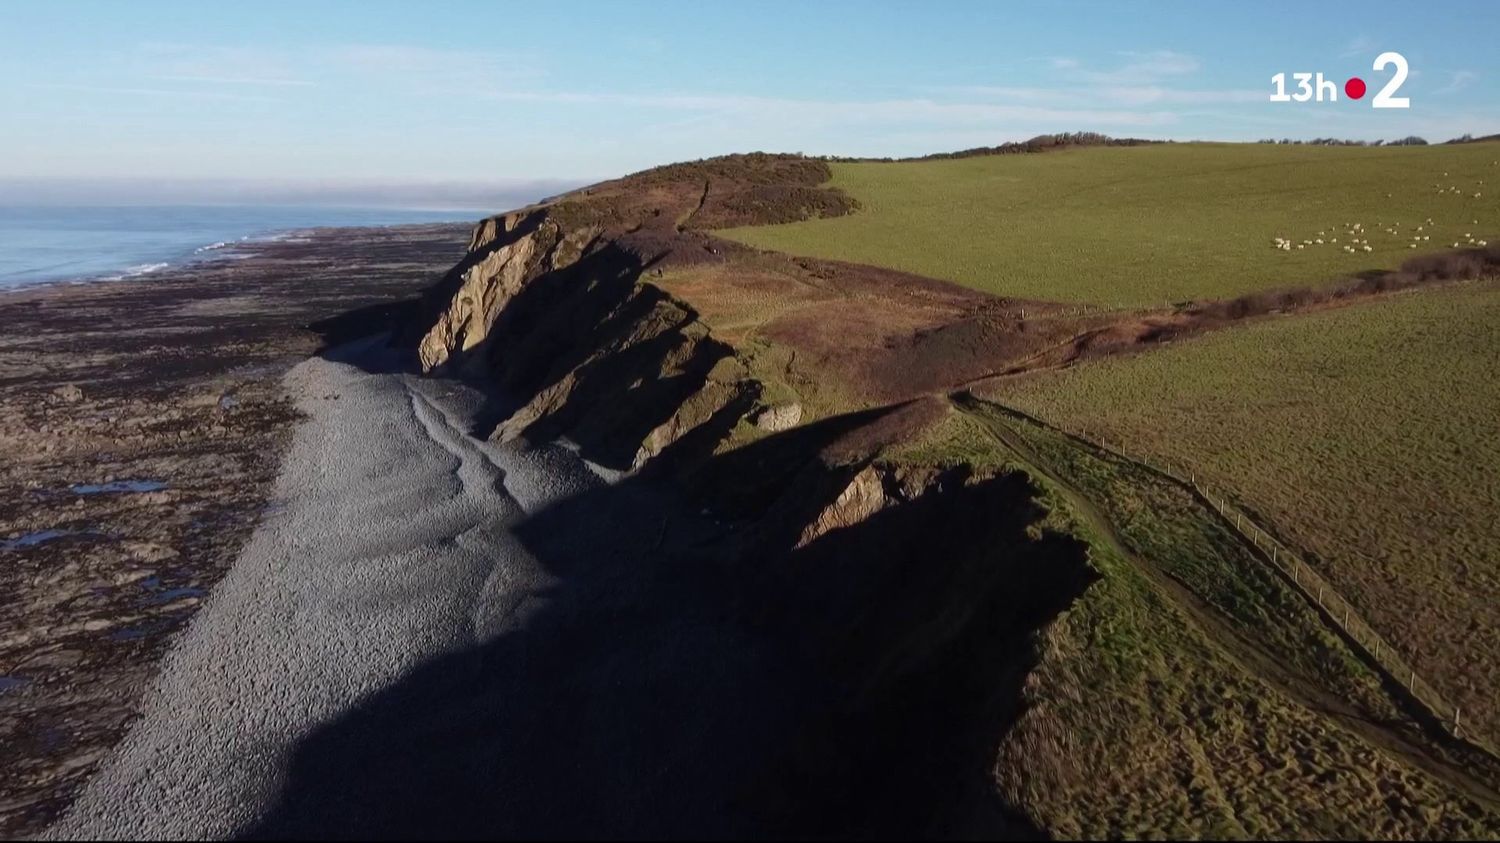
1384	98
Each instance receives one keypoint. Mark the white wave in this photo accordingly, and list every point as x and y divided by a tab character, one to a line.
139	270
296	236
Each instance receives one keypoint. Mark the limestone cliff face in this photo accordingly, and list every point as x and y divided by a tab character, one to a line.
558	316
553	303
505	253
863	497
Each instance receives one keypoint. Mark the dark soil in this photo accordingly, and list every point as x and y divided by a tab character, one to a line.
172	380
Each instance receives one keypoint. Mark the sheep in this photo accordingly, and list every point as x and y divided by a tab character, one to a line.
1368	249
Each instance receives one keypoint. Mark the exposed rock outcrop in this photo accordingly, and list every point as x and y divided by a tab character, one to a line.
780	417
863	497
551	300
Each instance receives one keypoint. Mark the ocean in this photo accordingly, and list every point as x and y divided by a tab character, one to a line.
50	244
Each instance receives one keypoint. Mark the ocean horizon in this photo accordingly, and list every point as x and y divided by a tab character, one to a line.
49	244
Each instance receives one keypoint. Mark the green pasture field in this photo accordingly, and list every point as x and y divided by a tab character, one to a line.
1368	435
1141	226
1138	690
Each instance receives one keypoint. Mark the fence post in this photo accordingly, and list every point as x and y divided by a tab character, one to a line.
1320	595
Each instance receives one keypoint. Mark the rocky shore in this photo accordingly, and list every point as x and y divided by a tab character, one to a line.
141	424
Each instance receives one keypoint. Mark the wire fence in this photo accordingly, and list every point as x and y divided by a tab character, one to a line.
1293	569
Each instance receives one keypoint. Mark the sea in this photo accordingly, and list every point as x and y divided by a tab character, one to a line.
52	244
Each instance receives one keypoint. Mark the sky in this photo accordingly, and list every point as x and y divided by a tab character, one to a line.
455	103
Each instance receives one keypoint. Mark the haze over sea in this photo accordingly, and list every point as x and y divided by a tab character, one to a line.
49	243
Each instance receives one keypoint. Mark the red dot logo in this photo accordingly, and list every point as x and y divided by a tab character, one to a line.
1355	88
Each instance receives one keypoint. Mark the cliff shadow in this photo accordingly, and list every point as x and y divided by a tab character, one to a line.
552	326
589	353
384	318
666	686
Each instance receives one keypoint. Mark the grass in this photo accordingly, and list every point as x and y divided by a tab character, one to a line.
1144	225
1137	727
1163	525
1364	434
1137	724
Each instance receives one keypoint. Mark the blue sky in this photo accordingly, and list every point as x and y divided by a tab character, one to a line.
448	96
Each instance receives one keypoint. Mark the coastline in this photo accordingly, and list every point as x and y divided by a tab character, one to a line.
392	546
141	424
64	245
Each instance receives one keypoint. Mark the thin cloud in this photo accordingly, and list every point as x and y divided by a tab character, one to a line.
1142	68
1362	45
113	90
406	59
216	64
1157	95
914	110
393	64
1110	95
1457	82
1028	94
235	80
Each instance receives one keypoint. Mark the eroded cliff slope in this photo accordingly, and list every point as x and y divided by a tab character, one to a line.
997	657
